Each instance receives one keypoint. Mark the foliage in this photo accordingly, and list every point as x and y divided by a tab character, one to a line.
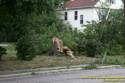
88	43
15	15
39	41
22	18
102	36
69	39
32	23
116	60
2	52
91	48
29	46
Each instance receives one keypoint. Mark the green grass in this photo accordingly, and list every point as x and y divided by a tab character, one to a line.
11	48
90	67
115	60
10	61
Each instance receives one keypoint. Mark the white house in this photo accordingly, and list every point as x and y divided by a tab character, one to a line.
78	13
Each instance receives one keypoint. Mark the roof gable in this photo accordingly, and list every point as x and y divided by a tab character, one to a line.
71	4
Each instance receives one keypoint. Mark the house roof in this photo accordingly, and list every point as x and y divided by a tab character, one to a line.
72	4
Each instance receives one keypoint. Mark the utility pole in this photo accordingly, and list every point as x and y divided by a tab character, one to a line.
124	20
102	5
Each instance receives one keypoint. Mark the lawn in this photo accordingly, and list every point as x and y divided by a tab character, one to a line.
10	61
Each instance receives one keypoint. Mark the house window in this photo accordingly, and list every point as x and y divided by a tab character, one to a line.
102	14
76	15
81	19
111	1
66	16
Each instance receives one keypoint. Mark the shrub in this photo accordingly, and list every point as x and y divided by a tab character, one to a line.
24	49
2	52
69	40
106	35
33	43
90	48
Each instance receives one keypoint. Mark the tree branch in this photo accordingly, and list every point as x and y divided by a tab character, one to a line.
5	2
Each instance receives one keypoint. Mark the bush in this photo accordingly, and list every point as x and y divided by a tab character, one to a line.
90	48
69	40
106	35
33	43
25	49
2	52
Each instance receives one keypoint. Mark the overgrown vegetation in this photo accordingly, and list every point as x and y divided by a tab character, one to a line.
106	35
11	63
33	23
2	52
16	14
116	60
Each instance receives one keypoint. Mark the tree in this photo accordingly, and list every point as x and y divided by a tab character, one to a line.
105	37
16	14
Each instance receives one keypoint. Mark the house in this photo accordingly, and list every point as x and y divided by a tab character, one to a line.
78	13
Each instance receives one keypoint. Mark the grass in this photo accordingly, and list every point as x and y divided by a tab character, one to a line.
11	63
112	60
115	60
90	67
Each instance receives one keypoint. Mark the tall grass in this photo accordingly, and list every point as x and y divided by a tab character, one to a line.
10	61
115	60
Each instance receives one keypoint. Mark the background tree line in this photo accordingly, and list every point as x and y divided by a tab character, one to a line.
16	15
